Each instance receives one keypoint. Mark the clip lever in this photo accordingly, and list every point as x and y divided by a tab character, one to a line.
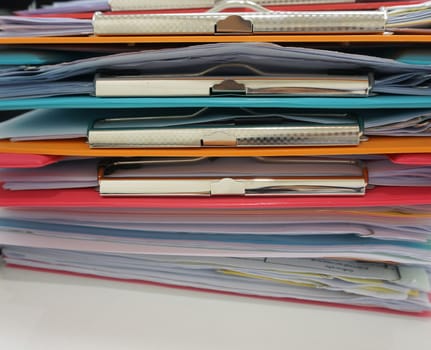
219	139
234	24
229	86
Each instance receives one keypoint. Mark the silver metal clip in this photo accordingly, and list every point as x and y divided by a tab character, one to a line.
233	176
260	22
203	84
243	130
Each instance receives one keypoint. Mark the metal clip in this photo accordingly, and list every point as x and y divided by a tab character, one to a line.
215	176
243	130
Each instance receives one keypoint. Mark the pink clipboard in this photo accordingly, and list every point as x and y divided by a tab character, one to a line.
205	290
411	158
90	198
13	160
24	160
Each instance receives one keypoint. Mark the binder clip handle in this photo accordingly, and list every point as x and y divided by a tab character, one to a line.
233	24
228	4
229	86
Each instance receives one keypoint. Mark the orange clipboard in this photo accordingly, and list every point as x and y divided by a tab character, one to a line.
80	148
407	37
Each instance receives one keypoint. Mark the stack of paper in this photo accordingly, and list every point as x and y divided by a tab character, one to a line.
372	253
236	166
257	70
286	254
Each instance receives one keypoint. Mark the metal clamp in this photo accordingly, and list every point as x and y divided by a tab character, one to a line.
243	130
144	178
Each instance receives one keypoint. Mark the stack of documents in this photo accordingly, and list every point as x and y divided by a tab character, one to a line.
374	257
223	69
246	168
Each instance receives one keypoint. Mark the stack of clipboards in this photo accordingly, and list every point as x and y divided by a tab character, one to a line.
227	162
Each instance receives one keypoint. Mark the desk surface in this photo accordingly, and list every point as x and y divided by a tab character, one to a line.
50	311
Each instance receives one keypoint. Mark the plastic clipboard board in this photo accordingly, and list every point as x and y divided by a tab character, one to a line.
79	147
347	103
412	158
90	198
412	37
12	160
25	160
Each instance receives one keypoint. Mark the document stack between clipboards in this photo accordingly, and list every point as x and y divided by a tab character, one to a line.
245	168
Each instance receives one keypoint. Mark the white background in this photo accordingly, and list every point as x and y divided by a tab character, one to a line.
49	311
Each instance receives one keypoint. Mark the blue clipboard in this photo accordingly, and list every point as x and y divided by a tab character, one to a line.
375	102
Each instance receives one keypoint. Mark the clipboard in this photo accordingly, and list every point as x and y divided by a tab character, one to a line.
333	6
263	21
11	160
79	147
248	23
89	198
345	103
243	128
130	7
215	176
222	70
202	5
407	37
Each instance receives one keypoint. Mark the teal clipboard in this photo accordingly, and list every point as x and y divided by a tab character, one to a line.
346	103
16	57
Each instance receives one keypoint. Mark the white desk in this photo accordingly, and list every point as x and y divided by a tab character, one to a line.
48	311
